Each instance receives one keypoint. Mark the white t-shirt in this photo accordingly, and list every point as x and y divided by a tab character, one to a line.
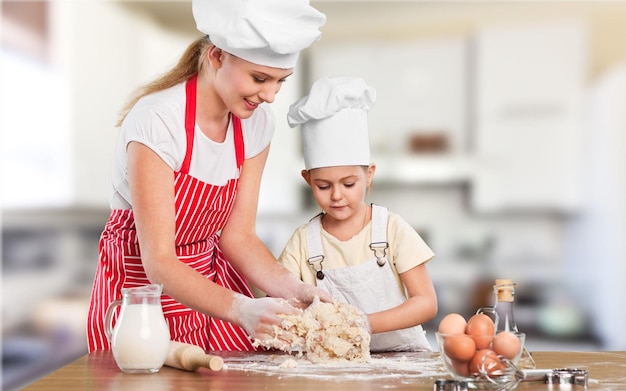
158	121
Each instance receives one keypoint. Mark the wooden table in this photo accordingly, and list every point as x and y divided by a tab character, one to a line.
98	371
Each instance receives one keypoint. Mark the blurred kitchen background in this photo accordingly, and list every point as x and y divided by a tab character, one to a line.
499	132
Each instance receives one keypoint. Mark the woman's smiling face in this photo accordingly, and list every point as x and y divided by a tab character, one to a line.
243	85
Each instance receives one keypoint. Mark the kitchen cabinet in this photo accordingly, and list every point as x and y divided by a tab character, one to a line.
528	96
594	246
508	100
46	253
427	170
420	87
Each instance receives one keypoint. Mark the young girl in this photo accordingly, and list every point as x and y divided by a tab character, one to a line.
186	174
363	254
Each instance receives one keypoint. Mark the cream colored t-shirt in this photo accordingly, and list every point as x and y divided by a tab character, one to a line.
406	250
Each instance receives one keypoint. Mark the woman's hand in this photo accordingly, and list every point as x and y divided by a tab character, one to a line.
301	295
259	317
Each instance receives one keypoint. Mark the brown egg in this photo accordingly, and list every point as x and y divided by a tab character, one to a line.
459	347
452	324
486	361
506	344
460	367
481	328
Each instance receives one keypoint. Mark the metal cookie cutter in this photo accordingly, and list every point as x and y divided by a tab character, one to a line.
568	376
450	385
558	376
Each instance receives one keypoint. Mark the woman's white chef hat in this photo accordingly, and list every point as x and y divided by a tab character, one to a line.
333	122
265	32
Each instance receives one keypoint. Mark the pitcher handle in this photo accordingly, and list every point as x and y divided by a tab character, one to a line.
108	319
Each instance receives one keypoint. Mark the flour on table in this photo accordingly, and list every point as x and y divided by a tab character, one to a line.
396	368
325	332
289	363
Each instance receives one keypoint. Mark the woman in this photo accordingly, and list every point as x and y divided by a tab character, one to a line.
188	165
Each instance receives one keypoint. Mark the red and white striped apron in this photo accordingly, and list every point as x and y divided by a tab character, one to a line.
202	210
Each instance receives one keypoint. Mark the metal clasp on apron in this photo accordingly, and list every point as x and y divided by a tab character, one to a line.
380	252
316	264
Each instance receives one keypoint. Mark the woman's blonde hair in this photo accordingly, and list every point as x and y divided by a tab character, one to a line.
191	62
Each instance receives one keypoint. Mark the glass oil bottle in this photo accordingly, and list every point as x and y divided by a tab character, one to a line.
502	311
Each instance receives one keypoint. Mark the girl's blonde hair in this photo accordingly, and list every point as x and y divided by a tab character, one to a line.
191	62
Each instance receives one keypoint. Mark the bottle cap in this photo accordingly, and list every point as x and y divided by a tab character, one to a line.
505	289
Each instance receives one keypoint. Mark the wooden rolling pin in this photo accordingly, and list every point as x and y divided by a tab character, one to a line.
191	357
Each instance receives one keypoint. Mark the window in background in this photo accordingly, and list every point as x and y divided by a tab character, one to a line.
36	144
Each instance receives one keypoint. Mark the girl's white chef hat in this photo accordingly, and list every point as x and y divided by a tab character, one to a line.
333	122
265	32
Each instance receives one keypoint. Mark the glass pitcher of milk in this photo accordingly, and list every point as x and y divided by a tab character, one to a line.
140	338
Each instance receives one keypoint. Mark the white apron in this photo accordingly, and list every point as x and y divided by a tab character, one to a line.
370	286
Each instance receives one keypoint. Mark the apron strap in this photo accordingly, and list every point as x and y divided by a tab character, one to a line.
314	245
190	127
239	145
379	244
190	120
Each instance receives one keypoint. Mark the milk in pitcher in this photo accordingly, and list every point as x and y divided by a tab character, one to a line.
141	337
142	340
